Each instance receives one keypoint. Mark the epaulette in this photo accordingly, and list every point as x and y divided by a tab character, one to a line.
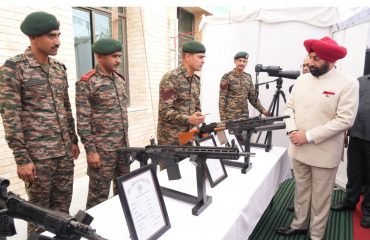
11	62
88	75
121	76
61	64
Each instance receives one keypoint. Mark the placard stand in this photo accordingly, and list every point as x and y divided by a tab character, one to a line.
142	203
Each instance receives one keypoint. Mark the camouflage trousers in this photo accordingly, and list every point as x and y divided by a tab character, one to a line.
100	178
53	187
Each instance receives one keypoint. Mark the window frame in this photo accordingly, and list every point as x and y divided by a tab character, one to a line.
121	17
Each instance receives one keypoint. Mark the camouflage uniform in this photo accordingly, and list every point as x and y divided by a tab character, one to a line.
102	124
235	91
179	98
39	126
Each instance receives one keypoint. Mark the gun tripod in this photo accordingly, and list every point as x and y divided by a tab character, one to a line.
274	110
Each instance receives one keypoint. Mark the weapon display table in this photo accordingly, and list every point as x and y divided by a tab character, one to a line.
238	202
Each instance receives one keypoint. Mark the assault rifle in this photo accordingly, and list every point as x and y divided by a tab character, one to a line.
236	127
62	225
170	156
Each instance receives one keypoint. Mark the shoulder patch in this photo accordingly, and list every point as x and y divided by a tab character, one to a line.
88	75
224	85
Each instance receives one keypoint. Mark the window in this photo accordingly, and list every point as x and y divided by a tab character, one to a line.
185	28
90	25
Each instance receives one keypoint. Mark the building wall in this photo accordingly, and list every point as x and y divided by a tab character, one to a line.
151	53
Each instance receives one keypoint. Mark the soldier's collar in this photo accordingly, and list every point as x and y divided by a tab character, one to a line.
184	71
32	60
100	72
235	72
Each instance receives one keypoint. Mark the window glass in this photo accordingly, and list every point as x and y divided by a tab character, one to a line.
103	26
82	41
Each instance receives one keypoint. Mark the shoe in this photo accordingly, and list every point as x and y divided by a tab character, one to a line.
287	231
291	207
342	206
365	222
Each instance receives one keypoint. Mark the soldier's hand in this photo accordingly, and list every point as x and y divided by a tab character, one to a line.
27	172
266	113
196	118
93	160
75	151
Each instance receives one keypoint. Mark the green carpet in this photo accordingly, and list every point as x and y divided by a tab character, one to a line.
277	214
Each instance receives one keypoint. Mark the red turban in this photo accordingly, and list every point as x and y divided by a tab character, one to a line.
326	48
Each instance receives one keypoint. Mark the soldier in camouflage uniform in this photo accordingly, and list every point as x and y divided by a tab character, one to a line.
236	88
102	121
37	116
179	104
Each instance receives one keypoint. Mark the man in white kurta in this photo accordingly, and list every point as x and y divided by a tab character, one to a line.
322	106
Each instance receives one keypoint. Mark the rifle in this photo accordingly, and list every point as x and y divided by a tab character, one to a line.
200	132
171	155
62	225
255	124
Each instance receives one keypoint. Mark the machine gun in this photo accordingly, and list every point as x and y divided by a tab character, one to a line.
171	155
62	225
238	127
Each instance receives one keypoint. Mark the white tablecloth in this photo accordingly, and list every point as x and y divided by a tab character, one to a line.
238	202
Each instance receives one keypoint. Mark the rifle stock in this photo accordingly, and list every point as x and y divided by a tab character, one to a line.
202	131
185	137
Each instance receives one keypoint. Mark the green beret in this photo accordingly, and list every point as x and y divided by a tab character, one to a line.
241	55
107	46
39	23
193	47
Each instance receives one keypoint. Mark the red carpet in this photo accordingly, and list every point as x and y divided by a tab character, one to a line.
359	233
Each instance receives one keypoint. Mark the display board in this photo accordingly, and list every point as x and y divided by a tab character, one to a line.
215	168
142	203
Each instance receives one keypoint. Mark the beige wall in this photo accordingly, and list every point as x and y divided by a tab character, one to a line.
148	61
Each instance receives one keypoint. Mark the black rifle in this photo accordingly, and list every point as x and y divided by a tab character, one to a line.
62	225
246	127
171	155
255	124
237	127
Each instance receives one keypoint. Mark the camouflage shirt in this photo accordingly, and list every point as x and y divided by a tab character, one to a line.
178	98
101	103
235	91
35	108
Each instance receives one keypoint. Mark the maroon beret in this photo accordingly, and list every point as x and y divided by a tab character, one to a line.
326	48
